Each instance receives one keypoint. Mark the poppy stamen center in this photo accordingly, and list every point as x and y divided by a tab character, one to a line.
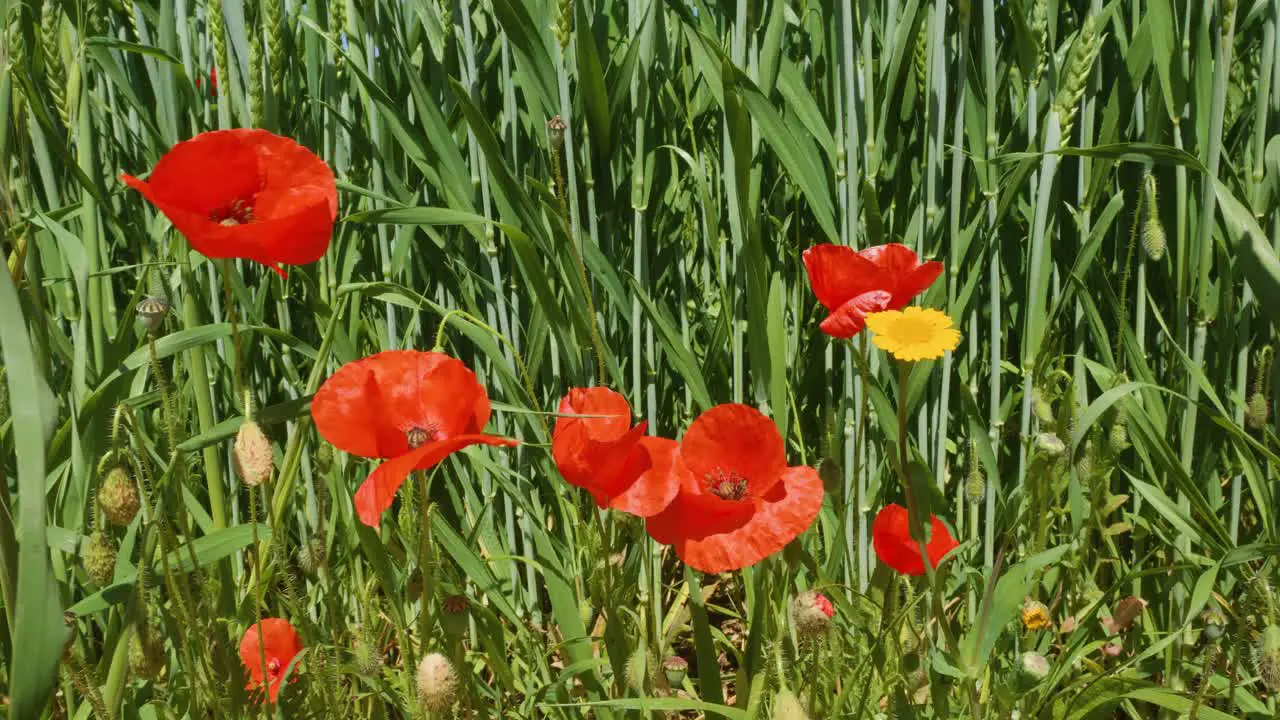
273	669
419	436
726	484
239	212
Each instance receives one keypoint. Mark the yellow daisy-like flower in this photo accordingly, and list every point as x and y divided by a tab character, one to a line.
914	333
1035	616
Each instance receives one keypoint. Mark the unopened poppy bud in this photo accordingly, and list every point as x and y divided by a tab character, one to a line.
324	458
636	670
1154	241
1035	615
151	312
1113	648
676	669
454	619
1215	623
1033	665
811	612
118	497
1257	412
1119	435
1040	406
1049	444
253	454
437	683
146	651
99	558
1269	657
367	658
786	706
975	485
311	555
1127	610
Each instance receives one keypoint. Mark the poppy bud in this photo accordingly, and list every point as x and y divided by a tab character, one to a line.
324	458
1215	623
786	706
146	651
311	556
1154	241
1035	615
457	610
118	497
367	658
1085	463
1033	665
1042	408
1256	412
1269	657
437	683
975	485
636	670
675	668
151	312
1113	648
811	612
1050	445
1068	625
1127	610
253	454
99	558
1119	435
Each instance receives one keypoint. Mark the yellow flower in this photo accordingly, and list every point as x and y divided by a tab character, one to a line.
1035	616
914	333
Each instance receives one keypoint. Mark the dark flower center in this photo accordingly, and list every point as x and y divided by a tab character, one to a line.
239	212
727	484
419	436
273	669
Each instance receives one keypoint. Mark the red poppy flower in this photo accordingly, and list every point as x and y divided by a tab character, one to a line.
412	408
891	536
616	463
213	82
738	502
246	194
280	643
851	285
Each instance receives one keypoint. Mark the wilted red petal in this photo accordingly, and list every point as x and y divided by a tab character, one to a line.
735	439
655	465
785	512
291	193
279	644
891	537
838	274
368	406
379	490
849	319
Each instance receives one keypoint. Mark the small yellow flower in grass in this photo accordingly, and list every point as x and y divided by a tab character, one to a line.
914	333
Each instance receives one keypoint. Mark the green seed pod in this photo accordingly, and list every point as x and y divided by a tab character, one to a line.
676	669
437	683
146	650
1215	623
1257	412
786	706
1042	408
455	616
1033	666
118	497
1269	657
1154	241
99	558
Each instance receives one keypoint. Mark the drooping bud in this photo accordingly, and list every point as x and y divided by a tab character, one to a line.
676	669
1269	657
1035	615
786	706
253	456
99	558
1127	610
1033	665
311	555
437	683
1257	412
118	497
811	612
146	650
456	612
1050	445
1154	241
151	312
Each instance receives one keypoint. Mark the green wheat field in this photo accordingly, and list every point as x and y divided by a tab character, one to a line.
1044	485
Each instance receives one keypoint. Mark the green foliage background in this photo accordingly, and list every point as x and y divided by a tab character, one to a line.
1041	148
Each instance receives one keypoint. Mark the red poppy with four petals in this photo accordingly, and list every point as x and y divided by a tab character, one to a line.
739	502
246	194
852	284
278	642
891	537
409	407
618	464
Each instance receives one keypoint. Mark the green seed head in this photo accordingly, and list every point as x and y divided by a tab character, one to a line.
1257	412
1154	242
676	669
786	706
1215	623
118	497
455	615
99	558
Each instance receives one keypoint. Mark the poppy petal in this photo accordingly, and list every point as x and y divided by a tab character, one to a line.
379	490
279	643
894	259
696	513
655	465
891	537
837	274
849	319
369	405
590	452
738	440
914	283
786	512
